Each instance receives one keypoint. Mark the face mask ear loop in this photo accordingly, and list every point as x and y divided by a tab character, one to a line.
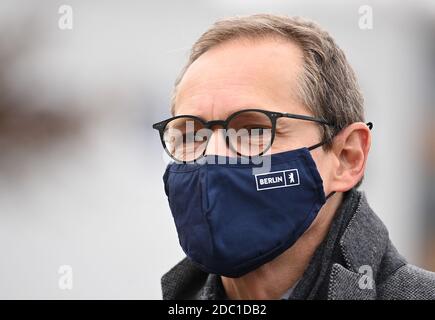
316	145
329	195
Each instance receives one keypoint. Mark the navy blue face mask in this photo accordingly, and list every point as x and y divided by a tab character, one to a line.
230	221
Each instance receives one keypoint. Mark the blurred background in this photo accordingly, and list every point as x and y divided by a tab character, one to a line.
81	168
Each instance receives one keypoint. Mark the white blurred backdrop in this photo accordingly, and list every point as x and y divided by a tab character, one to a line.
81	168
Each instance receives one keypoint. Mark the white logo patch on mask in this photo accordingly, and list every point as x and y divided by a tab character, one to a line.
277	179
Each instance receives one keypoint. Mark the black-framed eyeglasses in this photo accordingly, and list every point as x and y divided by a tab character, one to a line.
248	132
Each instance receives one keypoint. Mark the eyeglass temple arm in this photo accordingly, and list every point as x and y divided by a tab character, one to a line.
308	118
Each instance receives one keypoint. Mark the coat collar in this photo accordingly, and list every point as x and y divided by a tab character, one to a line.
347	262
362	245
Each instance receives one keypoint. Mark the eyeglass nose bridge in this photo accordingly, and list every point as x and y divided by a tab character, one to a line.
213	123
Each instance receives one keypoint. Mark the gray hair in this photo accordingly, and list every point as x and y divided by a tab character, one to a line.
327	87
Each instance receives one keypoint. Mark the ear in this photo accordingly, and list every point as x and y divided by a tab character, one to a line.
350	147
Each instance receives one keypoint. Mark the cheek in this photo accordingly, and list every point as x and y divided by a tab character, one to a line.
323	162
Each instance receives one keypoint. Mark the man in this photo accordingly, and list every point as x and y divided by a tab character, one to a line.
283	94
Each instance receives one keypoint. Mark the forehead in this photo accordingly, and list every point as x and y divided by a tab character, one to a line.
241	74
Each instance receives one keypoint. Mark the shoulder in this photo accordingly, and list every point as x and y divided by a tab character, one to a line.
408	282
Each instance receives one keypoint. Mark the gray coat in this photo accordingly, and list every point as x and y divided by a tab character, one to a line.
355	261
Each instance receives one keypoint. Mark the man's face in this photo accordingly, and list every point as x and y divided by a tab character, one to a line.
244	74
